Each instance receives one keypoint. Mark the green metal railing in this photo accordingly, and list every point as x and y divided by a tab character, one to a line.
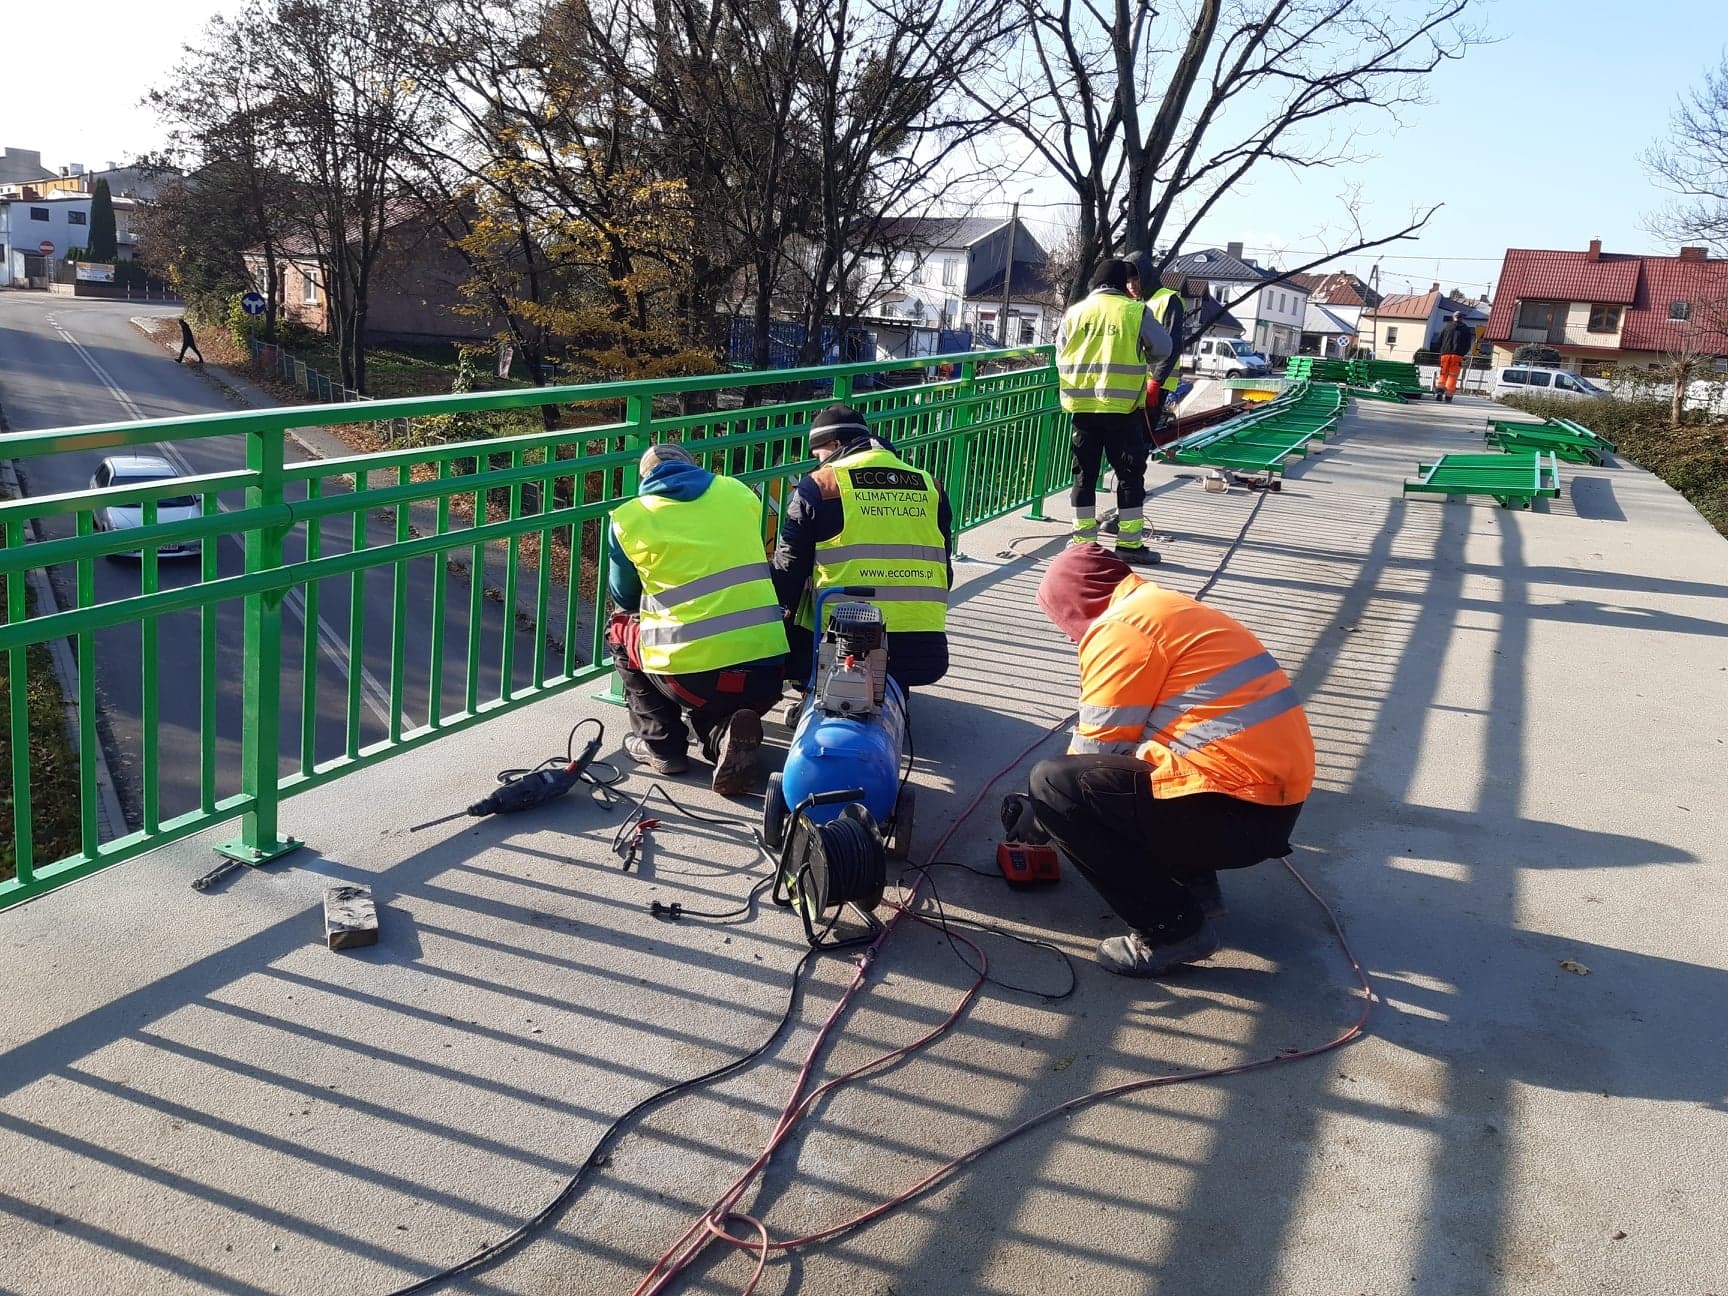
358	562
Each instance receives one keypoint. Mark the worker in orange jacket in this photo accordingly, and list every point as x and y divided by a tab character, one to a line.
1192	755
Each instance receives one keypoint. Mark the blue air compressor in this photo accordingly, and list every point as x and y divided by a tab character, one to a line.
840	810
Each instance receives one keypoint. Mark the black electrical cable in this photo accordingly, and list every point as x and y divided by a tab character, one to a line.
944	918
599	1157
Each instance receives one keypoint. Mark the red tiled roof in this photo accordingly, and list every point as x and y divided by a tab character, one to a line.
1340	288
1407	305
1646	286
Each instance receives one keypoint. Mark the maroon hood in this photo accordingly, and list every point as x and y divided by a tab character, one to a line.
1077	588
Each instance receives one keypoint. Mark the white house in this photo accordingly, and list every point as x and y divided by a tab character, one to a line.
1278	310
948	272
61	218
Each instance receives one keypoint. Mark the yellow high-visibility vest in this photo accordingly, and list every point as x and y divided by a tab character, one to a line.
1101	367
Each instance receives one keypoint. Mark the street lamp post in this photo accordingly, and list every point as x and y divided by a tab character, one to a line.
1008	265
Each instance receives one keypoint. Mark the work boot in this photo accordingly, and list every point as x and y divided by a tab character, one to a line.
1135	955
735	754
640	752
1207	894
1137	555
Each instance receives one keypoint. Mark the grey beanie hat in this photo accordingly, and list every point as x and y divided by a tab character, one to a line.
665	452
837	423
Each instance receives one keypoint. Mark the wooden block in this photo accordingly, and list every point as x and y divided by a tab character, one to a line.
350	917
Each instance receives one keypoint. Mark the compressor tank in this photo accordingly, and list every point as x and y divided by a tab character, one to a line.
830	752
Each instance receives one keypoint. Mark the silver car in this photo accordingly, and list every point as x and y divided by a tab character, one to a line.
144	470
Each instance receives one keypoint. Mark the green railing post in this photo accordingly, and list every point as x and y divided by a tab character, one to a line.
261	667
639	411
960	449
1048	419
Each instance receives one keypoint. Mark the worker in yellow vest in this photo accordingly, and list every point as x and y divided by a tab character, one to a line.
1107	348
698	629
866	517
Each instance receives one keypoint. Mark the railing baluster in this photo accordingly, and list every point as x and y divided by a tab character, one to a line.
440	585
399	615
309	639
88	825
543	583
149	711
356	620
18	686
476	595
512	563
207	571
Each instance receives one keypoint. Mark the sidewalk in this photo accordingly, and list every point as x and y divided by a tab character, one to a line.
1522	746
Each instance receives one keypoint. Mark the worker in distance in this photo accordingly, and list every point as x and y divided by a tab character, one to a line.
698	631
865	517
1192	755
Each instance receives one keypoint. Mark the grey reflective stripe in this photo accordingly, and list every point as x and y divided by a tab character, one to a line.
1085	372
1134	514
713	583
1085	512
907	594
1225	681
1105	717
1259	711
886	552
664	636
1107	390
1083	746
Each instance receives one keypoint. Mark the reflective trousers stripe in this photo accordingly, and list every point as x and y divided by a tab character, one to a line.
886	552
702	586
1234	722
1169	712
663	636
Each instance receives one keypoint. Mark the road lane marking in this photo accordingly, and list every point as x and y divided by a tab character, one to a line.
376	696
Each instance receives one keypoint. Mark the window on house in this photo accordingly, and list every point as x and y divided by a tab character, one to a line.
39	213
1392	336
1604	319
1680	310
309	287
76	218
950	271
918	270
1027	331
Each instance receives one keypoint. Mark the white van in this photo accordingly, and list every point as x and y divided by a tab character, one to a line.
1535	380
1225	358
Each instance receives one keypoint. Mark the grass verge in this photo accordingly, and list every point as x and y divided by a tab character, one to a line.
53	763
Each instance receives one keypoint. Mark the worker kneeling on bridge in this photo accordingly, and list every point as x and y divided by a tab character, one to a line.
868	519
699	629
1192	755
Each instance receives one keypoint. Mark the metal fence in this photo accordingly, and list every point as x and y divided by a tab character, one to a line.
340	611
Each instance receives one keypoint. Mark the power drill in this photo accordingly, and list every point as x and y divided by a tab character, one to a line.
524	792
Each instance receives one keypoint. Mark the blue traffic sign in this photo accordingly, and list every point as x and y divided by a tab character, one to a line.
252	303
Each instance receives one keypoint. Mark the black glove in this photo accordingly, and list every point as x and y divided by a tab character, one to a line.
1020	821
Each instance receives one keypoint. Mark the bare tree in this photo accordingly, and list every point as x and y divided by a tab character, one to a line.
1693	165
1151	115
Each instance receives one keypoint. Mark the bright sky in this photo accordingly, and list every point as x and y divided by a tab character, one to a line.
1530	142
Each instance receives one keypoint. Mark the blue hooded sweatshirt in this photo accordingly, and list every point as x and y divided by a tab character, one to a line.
679	481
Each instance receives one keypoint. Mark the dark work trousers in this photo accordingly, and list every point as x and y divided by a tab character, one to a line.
1120	438
658	703
1137	849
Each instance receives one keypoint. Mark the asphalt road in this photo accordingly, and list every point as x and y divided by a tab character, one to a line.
66	361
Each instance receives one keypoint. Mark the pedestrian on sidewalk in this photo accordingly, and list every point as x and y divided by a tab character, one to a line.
1109	346
1192	755
1457	341
187	343
698	631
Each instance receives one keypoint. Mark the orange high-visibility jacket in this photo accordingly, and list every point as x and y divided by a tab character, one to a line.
1194	694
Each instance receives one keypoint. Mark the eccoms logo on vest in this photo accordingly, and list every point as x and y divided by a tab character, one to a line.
894	479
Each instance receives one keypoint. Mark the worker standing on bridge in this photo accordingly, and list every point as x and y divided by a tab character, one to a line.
866	517
1457	340
699	629
1108	347
1192	755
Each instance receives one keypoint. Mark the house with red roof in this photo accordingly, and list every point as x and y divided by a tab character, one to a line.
1606	310
1405	323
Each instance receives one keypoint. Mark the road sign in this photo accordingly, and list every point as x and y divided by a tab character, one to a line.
252	303
45	247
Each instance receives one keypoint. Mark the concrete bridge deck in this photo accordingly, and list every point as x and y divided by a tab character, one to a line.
1523	731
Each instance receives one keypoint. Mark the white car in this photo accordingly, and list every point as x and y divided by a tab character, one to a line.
144	470
1225	358
1540	380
